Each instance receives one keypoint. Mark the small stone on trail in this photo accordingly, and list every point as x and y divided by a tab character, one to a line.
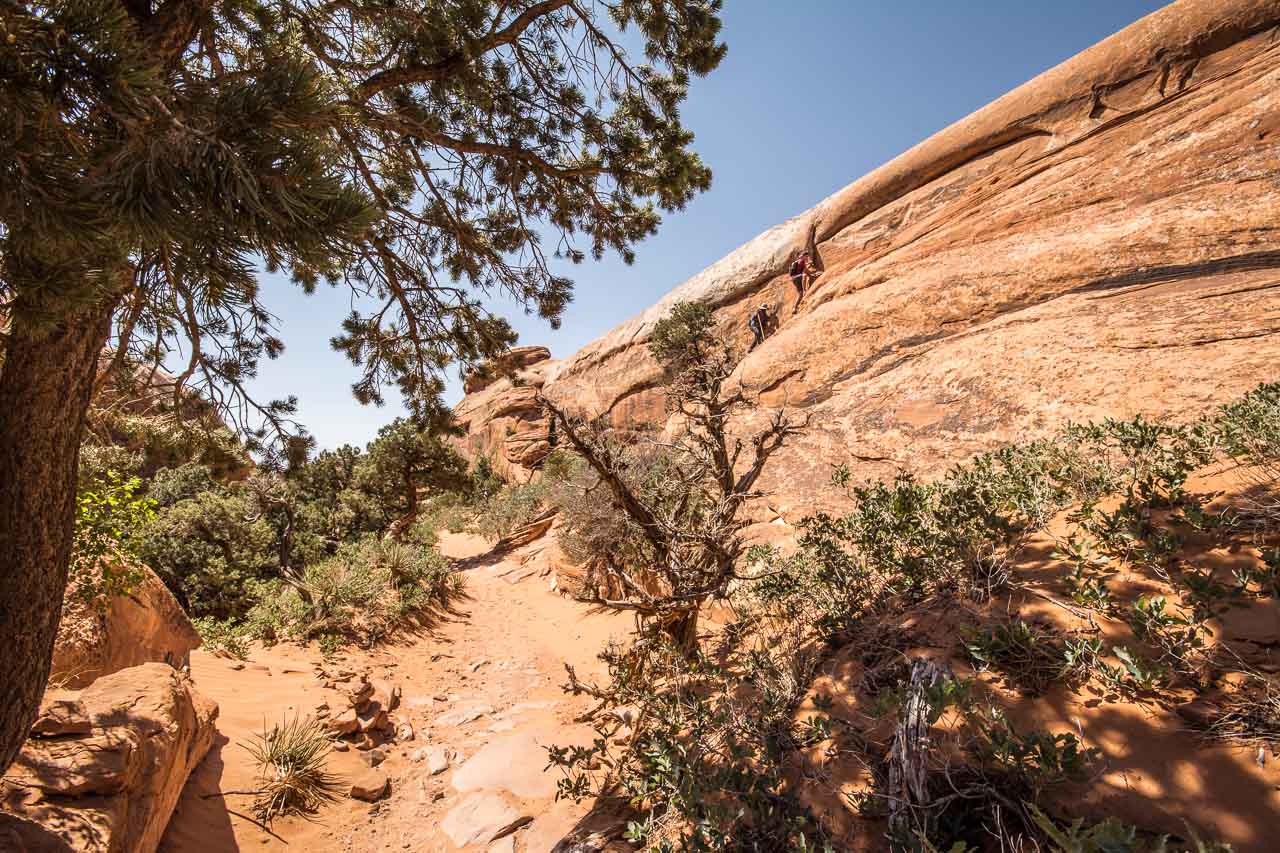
437	758
373	757
404	732
237	666
360	693
341	746
370	786
344	723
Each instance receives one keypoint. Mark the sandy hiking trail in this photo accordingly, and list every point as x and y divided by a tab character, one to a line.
481	687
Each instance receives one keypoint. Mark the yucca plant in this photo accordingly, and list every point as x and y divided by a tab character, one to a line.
291	769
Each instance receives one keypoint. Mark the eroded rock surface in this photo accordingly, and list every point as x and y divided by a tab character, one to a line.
1102	241
503	420
147	625
105	766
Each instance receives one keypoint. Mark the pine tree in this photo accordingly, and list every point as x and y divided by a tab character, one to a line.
157	154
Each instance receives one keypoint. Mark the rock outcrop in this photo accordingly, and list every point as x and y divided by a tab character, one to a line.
1104	240
97	639
502	417
104	767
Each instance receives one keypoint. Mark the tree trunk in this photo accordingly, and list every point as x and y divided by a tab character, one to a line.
45	384
410	493
682	629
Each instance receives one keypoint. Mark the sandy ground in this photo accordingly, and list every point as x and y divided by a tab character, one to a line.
500	654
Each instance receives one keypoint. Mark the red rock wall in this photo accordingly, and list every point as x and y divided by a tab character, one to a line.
1104	240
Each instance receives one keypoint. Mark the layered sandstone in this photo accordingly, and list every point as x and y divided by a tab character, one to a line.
101	637
501	416
104	767
1104	240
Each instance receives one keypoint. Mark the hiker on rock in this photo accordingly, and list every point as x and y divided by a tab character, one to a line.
803	272
759	323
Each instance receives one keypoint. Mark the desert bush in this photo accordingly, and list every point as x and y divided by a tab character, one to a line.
1112	836
958	772
1026	762
208	548
510	508
362	593
1180	639
701	760
168	486
1248	430
1136	677
1028	655
291	776
596	533
682	495
98	461
110	518
223	637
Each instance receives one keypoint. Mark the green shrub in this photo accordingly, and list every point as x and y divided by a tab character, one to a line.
510	509
110	516
1026	654
1248	430
1111	836
362	593
224	638
208	548
1028	761
704	766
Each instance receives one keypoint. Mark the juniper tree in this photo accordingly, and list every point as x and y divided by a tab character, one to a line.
677	502
405	459
157	154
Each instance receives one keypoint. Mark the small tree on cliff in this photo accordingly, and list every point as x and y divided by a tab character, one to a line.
682	499
156	153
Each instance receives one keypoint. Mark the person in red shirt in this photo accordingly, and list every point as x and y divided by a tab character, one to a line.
802	275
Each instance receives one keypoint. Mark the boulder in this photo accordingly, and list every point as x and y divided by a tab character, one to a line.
99	638
61	713
370	786
1063	254
386	694
344	722
113	787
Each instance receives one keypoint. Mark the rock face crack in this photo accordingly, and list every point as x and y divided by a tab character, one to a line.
1198	343
1176	272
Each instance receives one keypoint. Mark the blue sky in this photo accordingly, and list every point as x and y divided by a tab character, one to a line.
812	95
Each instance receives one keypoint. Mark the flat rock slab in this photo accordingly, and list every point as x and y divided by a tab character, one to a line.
465	713
481	818
516	764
